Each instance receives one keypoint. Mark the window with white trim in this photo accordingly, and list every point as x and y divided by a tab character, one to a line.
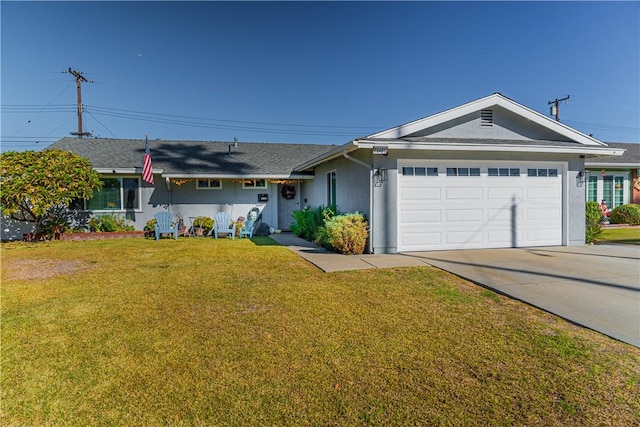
254	183
331	188
208	184
117	194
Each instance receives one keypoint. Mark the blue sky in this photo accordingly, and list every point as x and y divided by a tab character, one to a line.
307	72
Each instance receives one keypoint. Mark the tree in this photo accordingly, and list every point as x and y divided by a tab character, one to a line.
39	186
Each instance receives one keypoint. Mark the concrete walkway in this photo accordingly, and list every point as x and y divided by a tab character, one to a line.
594	286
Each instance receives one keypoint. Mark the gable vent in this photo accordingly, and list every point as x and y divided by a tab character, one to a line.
486	118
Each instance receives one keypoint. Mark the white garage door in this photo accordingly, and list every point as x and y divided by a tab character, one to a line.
467	205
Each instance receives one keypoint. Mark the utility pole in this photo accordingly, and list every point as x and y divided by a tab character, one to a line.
79	80
555	106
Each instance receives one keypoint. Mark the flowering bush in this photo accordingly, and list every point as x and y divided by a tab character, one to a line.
346	234
205	223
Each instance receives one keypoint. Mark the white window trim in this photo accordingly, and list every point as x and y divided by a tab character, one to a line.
331	198
626	189
255	186
122	209
209	180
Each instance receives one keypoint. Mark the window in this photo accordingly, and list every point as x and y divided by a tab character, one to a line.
331	189
504	172
419	171
463	171
592	192
254	183
208	184
543	172
116	194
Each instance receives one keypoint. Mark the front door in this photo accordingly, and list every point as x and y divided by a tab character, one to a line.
288	201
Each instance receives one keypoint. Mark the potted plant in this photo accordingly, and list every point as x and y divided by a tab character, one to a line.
202	225
149	228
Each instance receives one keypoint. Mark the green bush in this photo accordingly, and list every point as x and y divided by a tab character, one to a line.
150	225
626	214
204	222
308	222
593	223
109	223
347	234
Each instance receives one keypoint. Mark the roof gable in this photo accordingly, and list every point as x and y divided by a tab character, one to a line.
510	121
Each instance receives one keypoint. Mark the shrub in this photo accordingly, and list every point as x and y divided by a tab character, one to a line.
203	222
626	214
307	222
347	234
109	223
593	222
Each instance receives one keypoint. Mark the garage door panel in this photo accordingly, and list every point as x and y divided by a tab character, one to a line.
462	212
505	213
543	236
421	194
504	237
502	193
543	193
464	237
422	216
551	214
468	215
464	193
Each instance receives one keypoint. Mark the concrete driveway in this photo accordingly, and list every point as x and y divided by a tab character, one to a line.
593	286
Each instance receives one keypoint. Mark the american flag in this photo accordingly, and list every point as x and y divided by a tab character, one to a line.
147	171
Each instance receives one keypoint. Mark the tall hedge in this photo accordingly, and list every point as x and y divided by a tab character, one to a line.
593	225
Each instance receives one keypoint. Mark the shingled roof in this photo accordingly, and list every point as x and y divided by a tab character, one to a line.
630	158
192	158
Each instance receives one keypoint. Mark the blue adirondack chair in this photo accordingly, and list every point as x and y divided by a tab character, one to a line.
164	224
223	224
247	229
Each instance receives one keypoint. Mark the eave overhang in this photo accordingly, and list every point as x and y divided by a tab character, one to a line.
292	176
126	171
529	147
331	155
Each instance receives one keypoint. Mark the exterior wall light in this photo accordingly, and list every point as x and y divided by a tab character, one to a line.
381	175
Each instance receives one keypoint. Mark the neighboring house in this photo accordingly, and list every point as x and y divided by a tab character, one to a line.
490	173
615	179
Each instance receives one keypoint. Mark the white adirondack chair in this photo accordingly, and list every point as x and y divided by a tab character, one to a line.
224	225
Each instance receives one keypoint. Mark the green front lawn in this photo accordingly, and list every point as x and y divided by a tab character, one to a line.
620	235
206	332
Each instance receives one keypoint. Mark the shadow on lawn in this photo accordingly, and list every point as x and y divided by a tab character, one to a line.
264	241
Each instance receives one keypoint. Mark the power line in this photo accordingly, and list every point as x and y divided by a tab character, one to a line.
123	111
166	119
100	123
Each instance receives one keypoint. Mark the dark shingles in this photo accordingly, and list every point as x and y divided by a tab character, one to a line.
631	154
193	157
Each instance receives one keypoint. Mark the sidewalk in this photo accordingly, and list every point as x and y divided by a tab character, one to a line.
330	261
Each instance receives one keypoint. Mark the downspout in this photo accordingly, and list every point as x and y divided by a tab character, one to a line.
371	176
167	181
